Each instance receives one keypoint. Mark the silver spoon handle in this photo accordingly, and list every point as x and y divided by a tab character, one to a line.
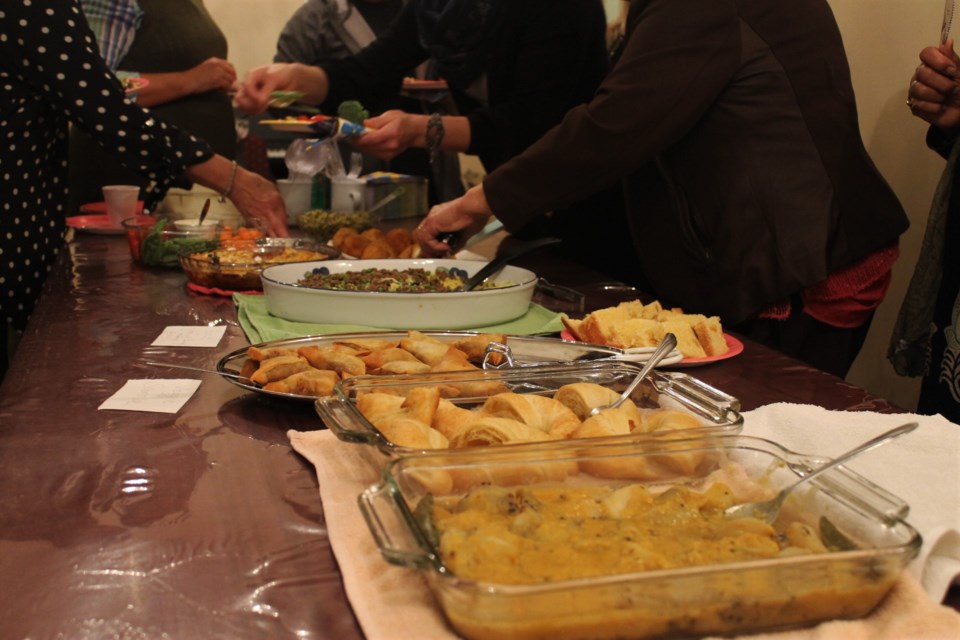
666	346
866	446
183	366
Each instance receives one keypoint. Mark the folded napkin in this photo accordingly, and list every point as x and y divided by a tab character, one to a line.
260	326
922	468
392	602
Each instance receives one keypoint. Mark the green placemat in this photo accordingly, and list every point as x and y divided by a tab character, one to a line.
260	326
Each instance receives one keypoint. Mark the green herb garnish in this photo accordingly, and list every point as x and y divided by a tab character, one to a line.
353	111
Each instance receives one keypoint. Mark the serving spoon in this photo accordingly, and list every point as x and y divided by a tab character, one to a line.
666	346
501	260
768	510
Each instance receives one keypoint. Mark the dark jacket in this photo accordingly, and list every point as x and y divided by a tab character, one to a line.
733	128
545	56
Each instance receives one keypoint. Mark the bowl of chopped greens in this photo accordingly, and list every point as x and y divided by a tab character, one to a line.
396	293
157	242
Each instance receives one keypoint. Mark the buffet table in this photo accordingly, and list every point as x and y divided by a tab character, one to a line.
204	523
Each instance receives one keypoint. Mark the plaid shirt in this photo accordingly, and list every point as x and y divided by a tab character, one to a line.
114	23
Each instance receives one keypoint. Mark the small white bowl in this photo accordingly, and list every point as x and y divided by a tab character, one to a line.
191	224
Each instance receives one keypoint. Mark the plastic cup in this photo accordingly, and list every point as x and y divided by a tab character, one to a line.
296	196
121	201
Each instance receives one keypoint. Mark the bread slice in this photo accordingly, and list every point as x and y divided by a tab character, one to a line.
687	341
636	332
598	326
710	334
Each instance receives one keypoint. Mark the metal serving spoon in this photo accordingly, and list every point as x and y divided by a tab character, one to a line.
226	374
666	346
500	261
768	510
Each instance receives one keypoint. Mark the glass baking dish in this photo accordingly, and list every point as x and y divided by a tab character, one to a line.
710	411
862	525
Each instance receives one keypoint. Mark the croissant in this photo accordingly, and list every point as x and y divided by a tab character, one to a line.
584	397
450	419
669	420
496	431
413	434
545	414
609	422
456	360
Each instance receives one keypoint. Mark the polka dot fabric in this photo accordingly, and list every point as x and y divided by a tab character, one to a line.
51	73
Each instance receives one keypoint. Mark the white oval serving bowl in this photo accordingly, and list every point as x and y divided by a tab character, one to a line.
447	310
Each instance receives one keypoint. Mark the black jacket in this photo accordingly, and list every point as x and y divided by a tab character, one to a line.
733	128
546	56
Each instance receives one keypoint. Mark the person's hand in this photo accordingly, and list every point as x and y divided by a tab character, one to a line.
212	73
934	92
391	133
464	216
260	203
253	94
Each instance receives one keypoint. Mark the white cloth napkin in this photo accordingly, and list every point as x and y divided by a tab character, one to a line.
394	603
922	468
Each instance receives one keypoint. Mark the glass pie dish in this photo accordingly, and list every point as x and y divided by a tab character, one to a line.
665	404
238	268
864	541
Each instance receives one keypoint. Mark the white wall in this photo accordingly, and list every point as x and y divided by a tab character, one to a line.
251	27
882	37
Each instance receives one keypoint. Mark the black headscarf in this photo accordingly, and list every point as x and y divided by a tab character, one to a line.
456	33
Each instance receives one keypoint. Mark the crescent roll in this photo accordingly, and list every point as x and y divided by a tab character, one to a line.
496	431
450	419
609	422
545	414
413	434
669	420
583	397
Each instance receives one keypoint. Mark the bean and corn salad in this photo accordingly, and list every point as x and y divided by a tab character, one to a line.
391	280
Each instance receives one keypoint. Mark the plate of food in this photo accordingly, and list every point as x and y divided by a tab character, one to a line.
301	368
396	293
133	84
236	266
487	529
97	224
415	84
638	328
319	126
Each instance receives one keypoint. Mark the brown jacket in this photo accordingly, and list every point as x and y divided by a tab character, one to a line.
733	129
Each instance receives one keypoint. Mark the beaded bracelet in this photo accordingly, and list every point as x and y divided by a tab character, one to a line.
233	177
434	135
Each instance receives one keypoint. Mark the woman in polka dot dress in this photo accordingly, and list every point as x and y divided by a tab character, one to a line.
51	74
